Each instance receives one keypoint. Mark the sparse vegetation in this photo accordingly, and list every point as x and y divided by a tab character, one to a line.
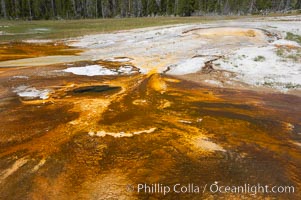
294	57
281	85
293	37
270	84
259	58
280	52
287	53
292	86
241	57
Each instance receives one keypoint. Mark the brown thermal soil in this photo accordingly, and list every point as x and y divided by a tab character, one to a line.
13	51
184	133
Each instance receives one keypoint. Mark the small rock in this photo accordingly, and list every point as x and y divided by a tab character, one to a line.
199	120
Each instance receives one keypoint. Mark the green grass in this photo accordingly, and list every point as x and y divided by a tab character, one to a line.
22	30
60	29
